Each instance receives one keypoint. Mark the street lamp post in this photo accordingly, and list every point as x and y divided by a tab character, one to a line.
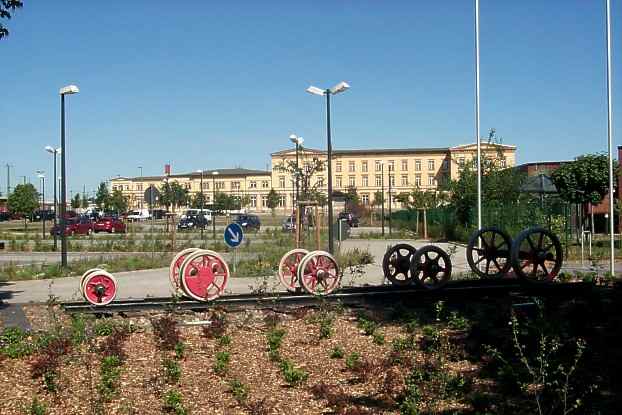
141	183
298	141
214	174
42	177
382	192
390	200
54	152
340	87
67	90
202	202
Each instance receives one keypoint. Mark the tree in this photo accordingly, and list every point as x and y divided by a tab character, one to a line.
75	202
198	201
118	202
244	201
102	197
173	195
273	200
417	200
585	180
6	8
305	172
23	201
85	201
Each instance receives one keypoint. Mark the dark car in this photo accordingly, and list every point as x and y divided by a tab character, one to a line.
192	222
350	219
109	224
158	213
4	216
75	226
248	222
39	215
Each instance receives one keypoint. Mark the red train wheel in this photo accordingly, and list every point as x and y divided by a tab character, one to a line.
173	271
204	275
288	268
99	288
318	273
84	276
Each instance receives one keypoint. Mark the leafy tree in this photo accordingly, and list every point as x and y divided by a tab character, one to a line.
23	201
244	200
102	197
198	200
6	8
417	200
173	195
85	201
224	202
305	172
118	202
273	200
585	180
76	201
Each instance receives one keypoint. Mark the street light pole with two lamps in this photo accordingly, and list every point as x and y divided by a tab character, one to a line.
54	152
40	174
214	174
337	89
202	203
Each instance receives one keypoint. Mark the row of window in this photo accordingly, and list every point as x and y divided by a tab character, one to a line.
404	181
404	164
220	185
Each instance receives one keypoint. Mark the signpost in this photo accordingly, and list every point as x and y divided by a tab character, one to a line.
234	235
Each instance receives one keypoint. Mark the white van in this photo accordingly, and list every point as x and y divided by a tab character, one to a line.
140	214
195	212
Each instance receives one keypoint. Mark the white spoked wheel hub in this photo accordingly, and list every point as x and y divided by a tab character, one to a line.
203	275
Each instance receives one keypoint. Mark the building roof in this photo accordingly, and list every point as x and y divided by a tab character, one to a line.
236	172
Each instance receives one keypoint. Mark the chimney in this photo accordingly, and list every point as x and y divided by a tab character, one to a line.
167	169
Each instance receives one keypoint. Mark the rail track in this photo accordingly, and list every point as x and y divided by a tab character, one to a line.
351	296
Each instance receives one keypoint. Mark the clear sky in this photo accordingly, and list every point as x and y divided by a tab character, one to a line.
215	84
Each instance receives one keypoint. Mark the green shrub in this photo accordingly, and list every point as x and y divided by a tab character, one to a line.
239	390
222	362
36	407
110	372
353	360
172	370
173	403
275	338
292	375
337	353
15	343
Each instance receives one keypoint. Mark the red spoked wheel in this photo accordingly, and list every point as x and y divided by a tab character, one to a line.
288	268
83	278
173	270
99	287
319	273
204	275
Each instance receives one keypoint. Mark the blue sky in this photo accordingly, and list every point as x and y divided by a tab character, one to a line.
217	84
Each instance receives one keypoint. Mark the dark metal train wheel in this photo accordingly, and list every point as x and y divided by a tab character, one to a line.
537	255
488	252
396	264
431	267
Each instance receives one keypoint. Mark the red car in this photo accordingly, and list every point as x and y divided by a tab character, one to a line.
110	225
82	226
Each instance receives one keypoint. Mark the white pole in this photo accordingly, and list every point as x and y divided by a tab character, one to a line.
610	140
477	135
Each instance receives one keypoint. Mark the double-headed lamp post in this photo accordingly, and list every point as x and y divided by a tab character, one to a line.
202	202
214	174
66	90
339	88
40	174
54	152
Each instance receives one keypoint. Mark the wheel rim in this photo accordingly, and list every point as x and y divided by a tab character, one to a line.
396	264
173	271
100	288
204	275
488	253
537	255
288	268
319	273
431	267
84	276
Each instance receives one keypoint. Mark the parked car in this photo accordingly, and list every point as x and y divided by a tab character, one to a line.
77	226
248	222
289	224
192	222
38	215
4	216
140	214
352	220
196	212
109	224
158	213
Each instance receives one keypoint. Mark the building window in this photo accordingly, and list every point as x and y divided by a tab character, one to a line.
405	165
320	181
139	187
264	200
220	185
503	163
461	161
205	185
338	167
265	184
378	180
281	181
364	166
252	185
404	180
235	185
127	186
365	181
445	164
351	167
392	180
378	165
338	181
365	199
281	201
418	180
253	201
430	180
417	165
351	181
391	165
430	164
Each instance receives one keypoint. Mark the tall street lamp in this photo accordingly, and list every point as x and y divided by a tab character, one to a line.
390	200
42	177
54	152
298	142
214	174
141	183
340	87
202	202
382	192
67	90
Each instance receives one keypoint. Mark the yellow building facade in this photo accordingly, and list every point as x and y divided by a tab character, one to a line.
369	171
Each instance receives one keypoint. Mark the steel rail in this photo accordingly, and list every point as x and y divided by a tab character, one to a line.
463	290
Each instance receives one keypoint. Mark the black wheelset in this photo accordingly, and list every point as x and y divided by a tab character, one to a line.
431	267
537	255
396	264
488	252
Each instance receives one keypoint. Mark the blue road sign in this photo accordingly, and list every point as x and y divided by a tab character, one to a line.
233	235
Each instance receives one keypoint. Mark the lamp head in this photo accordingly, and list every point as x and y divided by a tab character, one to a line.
316	91
50	149
340	87
68	90
215	173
